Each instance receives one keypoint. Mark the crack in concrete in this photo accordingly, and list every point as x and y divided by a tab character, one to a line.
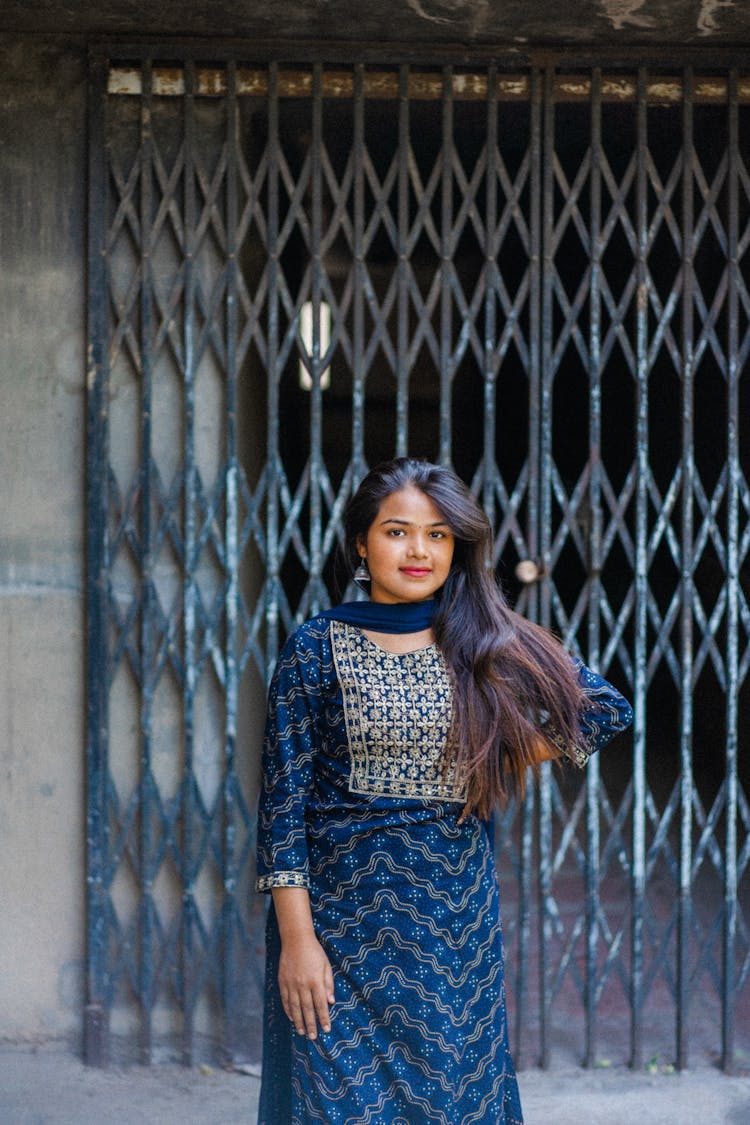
476	12
419	10
622	12
707	21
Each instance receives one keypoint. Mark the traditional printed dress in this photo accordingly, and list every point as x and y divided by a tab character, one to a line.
358	807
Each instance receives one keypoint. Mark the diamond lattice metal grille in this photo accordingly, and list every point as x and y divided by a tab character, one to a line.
541	278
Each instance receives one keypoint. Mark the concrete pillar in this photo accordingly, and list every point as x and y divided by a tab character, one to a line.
42	345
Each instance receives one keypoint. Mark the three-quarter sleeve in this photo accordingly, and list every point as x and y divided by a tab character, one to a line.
604	715
290	741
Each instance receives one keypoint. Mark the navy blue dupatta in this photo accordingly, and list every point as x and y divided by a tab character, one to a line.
385	617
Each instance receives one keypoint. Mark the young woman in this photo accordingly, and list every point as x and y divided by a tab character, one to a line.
394	728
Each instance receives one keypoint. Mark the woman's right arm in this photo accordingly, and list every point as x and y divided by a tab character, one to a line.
292	735
287	783
305	976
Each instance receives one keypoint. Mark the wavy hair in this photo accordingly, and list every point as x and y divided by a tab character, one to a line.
513	681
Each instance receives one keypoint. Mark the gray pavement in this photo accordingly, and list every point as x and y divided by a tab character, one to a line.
49	1086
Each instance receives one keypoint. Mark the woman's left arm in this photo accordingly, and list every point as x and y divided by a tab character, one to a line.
606	712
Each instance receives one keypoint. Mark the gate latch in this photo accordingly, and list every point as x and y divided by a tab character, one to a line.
529	571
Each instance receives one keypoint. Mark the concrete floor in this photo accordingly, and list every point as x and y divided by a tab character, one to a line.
49	1086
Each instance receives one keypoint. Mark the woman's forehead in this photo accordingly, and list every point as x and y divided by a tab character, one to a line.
410	505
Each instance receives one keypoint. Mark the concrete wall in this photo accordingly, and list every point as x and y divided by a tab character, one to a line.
42	421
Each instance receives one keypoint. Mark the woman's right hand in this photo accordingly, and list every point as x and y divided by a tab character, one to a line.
306	984
305	974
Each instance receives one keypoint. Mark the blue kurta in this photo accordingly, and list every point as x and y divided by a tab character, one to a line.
359	806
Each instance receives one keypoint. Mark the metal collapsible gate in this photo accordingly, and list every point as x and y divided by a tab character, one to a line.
540	277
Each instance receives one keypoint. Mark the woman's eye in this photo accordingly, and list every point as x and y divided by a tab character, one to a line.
437	535
395	531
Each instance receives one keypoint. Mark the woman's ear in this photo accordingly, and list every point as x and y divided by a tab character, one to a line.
361	544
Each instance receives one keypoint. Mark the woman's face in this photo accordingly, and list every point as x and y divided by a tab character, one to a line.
408	547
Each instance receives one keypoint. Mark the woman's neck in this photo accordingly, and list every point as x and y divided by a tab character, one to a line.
400	643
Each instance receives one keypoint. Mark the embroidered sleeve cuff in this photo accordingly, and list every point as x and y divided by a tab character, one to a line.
282	879
575	754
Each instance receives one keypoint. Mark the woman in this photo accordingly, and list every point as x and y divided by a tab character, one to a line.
394	728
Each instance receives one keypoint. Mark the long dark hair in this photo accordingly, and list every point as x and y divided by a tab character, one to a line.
513	681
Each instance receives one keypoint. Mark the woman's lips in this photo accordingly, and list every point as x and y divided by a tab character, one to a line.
415	571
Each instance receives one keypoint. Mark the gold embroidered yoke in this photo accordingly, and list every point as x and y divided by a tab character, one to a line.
397	709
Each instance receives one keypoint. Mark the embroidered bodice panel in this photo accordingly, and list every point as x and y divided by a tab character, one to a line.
397	709
375	719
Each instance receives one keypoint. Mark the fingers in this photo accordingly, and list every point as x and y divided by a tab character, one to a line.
307	992
293	1010
320	1002
307	1009
310	1016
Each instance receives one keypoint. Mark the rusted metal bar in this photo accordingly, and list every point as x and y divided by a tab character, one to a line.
545	547
230	874
537	327
98	998
425	86
640	578
730	920
146	936
535	538
273	330
446	269
361	282
491	277
686	583
594	591
404	238
189	590
314	602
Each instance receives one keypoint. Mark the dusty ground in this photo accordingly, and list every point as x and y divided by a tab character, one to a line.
49	1086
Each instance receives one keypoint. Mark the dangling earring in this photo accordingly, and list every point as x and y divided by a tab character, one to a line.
362	573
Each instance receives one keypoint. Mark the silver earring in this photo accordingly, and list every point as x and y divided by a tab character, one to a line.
362	573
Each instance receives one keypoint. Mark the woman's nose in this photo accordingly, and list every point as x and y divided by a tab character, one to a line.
418	546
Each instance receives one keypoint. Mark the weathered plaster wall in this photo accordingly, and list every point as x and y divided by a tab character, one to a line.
514	23
42	183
